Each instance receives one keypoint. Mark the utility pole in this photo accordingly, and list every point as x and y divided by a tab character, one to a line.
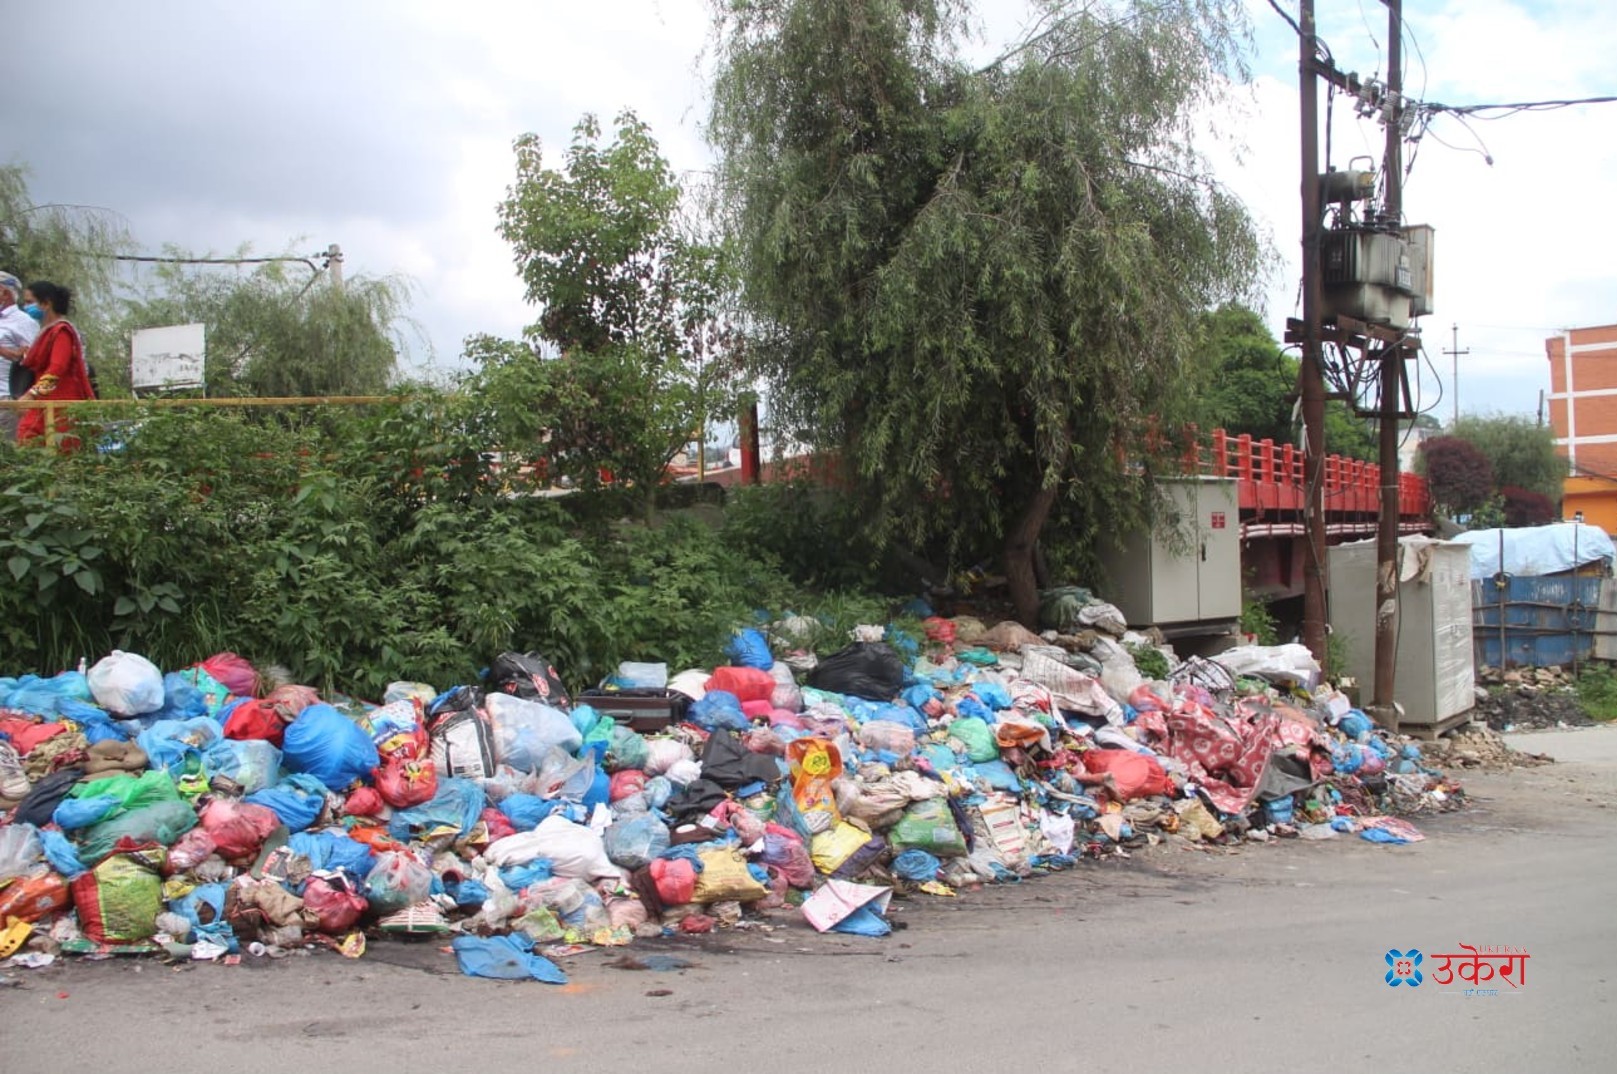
1454	352
1312	372
334	265
1392	369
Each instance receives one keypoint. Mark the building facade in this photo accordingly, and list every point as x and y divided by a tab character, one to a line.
1583	398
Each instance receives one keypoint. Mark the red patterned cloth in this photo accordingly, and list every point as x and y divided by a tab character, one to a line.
1225	755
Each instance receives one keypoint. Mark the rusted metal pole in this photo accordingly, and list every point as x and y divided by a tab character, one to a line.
1312	373
1392	359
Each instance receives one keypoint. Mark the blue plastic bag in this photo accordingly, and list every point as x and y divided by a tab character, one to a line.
253	763
466	892
176	746
181	699
634	841
750	649
999	776
504	958
297	800
63	855
97	723
1355	724
916	865
600	792
331	850
1381	835
517	877
920	695
458	805
992	694
44	697
719	710
525	811
328	746
73	813
863	922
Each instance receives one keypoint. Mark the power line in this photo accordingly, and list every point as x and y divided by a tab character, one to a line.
149	260
1517	106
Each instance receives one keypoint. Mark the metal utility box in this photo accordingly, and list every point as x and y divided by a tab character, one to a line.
1421	240
1436	670
1186	571
1366	276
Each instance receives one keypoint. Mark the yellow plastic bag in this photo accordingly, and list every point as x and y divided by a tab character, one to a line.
830	849
724	877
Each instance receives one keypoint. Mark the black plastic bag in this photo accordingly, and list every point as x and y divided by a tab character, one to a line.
727	762
528	676
867	669
694	802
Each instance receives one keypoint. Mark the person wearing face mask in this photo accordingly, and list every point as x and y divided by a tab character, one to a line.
17	333
57	362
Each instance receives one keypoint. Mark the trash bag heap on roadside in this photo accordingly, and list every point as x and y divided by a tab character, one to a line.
208	812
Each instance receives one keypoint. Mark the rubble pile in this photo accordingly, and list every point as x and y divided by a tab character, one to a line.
1528	699
208	813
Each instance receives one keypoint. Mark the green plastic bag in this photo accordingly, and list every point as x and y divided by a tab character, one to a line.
162	823
628	749
977	736
600	735
132	792
928	826
540	925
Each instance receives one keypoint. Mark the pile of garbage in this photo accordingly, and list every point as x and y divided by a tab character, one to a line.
208	811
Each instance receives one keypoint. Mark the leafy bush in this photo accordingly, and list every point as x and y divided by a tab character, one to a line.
356	547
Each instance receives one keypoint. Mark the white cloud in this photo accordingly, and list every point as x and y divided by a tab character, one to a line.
386	126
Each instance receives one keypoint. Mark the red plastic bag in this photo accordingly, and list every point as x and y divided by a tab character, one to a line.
256	719
334	903
35	896
939	630
238	828
233	673
626	781
757	710
364	802
498	824
403	782
675	879
1136	775
192	850
748	684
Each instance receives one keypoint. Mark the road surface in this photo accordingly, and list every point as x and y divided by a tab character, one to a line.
1267	958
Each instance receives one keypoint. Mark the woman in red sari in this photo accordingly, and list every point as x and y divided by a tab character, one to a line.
57	362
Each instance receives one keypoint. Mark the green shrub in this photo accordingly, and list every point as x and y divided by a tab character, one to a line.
359	547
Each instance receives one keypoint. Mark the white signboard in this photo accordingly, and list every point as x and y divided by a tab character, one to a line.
167	357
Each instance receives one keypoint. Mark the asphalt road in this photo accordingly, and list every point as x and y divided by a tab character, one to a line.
1268	958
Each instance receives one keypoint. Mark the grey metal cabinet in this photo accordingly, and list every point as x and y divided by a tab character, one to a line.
1187	568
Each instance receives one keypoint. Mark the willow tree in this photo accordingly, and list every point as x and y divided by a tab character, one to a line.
979	285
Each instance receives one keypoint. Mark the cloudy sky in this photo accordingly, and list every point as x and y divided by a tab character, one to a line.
386	126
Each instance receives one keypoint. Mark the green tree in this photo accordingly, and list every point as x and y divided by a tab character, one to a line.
1248	382
631	298
1248	385
981	287
1521	452
277	330
74	246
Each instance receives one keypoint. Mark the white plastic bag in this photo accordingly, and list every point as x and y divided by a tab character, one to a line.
126	684
692	683
20	848
573	850
525	730
664	753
